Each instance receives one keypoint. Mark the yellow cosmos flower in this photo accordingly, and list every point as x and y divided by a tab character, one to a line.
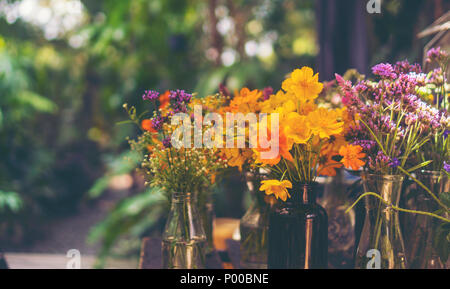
277	188
324	122
297	128
305	108
304	84
245	101
237	157
278	100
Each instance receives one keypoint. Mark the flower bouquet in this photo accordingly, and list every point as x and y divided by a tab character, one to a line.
308	141
182	171
389	124
422	249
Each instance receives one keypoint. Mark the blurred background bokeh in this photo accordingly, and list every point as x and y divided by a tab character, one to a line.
68	66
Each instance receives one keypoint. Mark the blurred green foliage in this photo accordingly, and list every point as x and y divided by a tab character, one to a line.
62	92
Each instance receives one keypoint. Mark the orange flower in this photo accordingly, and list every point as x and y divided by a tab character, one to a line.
304	84
352	156
245	101
146	124
164	100
284	147
328	166
237	157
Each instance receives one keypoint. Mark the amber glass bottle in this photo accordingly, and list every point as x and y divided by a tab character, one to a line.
298	232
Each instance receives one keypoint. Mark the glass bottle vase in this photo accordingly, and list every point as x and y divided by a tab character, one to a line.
254	227
184	239
419	247
341	225
381	245
298	232
206	210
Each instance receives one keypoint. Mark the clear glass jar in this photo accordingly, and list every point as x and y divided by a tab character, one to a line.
419	246
381	245
341	225
184	239
254	227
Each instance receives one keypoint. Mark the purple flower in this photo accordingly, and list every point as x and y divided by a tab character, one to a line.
446	132
367	145
167	142
180	96
437	77
150	95
267	92
180	100
384	70
404	67
157	122
395	162
224	90
447	167
436	54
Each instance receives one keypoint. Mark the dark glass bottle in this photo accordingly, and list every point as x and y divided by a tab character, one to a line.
298	232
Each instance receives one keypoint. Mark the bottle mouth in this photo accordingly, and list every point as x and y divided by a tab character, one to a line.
177	196
431	173
393	178
303	193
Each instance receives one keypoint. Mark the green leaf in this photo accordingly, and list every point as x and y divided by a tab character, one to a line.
99	187
125	122
36	101
424	164
11	201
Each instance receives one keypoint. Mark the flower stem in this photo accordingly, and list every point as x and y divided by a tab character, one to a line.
395	207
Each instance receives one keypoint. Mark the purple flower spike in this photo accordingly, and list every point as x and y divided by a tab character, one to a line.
405	67
180	96
167	142
447	167
394	163
150	95
436	54
384	70
157	122
180	100
267	92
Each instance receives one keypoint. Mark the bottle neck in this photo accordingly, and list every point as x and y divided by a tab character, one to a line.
180	198
308	194
303	194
